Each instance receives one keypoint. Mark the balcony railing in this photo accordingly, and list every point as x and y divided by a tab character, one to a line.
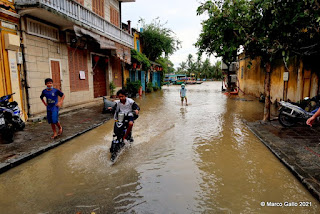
79	13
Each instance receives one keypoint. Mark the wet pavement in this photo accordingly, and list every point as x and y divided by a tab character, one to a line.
200	158
297	147
35	138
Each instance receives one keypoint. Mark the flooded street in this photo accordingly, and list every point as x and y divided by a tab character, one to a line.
199	158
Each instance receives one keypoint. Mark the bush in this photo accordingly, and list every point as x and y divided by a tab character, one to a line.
156	87
112	86
132	88
149	87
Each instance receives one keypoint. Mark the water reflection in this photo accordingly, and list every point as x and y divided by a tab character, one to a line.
199	158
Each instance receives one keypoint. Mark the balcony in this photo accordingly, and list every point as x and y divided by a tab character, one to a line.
66	13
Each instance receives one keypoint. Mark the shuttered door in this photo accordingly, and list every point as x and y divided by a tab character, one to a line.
143	80
99	79
116	71
78	62
98	7
55	71
80	2
114	16
306	83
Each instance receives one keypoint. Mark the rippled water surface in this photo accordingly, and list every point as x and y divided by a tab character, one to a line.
199	158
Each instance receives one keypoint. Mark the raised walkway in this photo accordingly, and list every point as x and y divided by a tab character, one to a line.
35	139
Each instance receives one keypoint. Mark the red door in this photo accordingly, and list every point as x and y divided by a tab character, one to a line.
116	71
99	78
55	71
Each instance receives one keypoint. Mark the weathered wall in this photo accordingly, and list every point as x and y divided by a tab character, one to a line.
38	52
251	79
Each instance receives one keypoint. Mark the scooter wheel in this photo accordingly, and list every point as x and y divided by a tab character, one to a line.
285	120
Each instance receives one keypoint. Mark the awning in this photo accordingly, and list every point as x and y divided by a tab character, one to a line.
104	42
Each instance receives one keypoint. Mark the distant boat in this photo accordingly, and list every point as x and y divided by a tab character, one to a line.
179	82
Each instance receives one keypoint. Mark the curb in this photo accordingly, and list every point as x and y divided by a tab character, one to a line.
24	158
296	170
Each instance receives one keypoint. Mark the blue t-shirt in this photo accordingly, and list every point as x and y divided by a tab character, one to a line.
52	98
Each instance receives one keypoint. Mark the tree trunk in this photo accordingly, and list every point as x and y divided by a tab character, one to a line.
228	80
266	115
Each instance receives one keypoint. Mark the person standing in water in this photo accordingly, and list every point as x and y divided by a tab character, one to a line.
183	94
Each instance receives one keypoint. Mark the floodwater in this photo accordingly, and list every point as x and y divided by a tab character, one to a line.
199	158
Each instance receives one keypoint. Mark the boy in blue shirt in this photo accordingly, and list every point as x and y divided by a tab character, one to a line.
53	105
183	94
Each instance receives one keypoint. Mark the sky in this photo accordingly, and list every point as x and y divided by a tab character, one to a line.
181	18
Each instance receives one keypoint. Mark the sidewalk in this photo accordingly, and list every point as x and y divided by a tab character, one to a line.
298	148
35	138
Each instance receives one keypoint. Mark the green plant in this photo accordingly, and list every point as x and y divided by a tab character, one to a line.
158	40
132	88
156	87
141	58
149	87
112	87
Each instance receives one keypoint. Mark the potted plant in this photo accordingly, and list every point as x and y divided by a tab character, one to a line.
112	87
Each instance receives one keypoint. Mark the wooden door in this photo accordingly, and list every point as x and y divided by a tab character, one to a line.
306	83
116	71
55	72
99	78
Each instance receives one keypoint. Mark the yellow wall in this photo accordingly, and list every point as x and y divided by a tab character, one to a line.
252	80
136	36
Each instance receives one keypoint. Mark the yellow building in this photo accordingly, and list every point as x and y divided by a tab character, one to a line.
11	65
293	82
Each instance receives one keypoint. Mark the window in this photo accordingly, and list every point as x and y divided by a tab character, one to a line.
78	62
98	7
42	30
114	16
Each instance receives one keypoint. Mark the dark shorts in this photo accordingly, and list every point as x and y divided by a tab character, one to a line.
130	118
53	117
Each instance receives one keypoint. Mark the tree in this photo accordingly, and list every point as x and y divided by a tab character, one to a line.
158	40
206	68
182	69
201	69
190	65
222	32
269	29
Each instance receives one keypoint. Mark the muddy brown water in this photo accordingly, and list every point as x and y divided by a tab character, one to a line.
199	158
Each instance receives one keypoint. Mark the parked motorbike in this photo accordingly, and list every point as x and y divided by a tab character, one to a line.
10	118
293	113
120	128
6	124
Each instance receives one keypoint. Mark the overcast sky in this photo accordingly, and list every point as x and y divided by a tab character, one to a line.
180	16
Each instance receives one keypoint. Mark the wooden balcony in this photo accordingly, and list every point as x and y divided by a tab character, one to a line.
71	12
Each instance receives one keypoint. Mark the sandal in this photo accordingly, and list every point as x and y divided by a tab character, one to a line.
60	133
54	137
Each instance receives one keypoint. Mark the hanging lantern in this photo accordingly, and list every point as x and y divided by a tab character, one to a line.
96	58
134	65
138	66
106	60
